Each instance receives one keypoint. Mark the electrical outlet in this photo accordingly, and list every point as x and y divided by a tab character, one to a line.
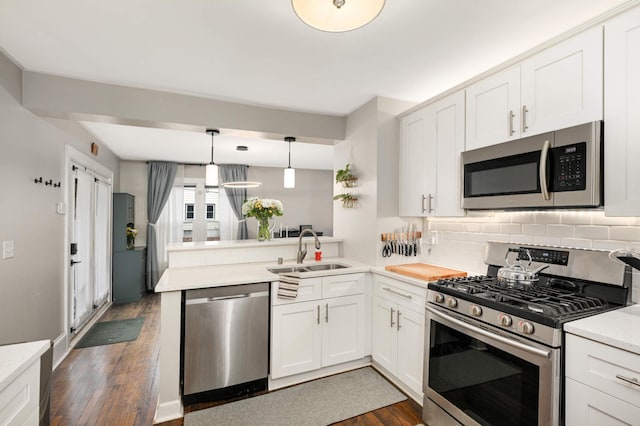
7	249
61	208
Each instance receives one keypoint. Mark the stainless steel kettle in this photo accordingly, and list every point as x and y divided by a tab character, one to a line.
517	274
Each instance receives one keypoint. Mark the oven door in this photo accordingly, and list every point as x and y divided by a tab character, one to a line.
479	374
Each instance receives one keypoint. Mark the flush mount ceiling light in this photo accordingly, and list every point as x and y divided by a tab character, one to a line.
289	173
211	178
337	15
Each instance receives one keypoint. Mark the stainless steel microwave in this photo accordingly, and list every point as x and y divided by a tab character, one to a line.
560	169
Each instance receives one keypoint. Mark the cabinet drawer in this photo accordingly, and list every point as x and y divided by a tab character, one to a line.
586	406
404	294
603	367
308	289
343	285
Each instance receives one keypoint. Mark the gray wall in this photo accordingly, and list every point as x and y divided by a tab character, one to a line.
31	283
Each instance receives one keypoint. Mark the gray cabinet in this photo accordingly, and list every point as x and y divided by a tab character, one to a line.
129	267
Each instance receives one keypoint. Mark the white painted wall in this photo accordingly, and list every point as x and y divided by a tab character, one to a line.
462	241
31	283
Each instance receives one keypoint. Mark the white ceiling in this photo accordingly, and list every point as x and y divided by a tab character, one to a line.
258	52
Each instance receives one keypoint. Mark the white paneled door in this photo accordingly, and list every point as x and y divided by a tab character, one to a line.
90	248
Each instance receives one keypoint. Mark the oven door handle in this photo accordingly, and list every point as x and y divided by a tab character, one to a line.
501	339
543	170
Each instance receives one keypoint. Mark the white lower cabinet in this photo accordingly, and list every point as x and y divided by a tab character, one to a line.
398	330
601	384
309	335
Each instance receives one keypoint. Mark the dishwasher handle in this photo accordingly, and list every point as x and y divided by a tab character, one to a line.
202	300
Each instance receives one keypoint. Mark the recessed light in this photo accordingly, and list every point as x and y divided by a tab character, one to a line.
241	148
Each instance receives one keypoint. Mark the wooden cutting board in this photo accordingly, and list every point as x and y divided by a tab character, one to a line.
425	272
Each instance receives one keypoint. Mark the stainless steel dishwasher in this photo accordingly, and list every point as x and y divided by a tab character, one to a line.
226	338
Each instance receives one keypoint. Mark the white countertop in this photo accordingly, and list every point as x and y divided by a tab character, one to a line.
619	328
209	245
193	277
14	359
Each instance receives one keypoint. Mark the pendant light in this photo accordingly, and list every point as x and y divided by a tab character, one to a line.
289	173
337	15
212	169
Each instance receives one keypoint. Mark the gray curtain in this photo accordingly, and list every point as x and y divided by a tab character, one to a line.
160	182
237	196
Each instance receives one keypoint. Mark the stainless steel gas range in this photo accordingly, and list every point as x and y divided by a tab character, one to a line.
494	349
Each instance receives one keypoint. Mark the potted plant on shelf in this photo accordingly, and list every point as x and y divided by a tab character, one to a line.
346	177
348	200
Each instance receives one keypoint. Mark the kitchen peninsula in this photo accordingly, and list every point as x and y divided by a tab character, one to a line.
215	264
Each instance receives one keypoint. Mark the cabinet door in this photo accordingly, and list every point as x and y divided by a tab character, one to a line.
411	167
622	109
384	344
563	86
446	143
410	327
493	109
586	406
343	329
295	338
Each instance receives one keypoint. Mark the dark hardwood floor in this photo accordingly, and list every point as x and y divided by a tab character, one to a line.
117	384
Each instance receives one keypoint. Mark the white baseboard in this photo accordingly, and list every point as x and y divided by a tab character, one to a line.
64	343
168	411
317	374
412	394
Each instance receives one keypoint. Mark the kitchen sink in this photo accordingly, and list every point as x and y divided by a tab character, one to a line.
307	268
325	266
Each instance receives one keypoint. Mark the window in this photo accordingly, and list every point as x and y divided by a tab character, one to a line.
211	211
189	210
201	213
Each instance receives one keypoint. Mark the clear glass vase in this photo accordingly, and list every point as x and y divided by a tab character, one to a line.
131	241
264	230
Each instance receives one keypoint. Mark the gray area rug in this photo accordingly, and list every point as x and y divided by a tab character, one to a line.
319	402
108	332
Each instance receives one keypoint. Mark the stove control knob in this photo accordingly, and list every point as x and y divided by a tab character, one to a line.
475	310
527	327
438	298
451	302
505	320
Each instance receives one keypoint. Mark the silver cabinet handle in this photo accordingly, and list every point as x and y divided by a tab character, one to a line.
423	199
634	381
392	324
326	312
543	170
398	321
431	202
511	117
390	290
318	314
524	118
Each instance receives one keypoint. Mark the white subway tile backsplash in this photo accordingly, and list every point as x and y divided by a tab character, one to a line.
547	217
598	218
502	217
560	231
626	233
523	217
609	244
510	228
490	227
530	229
576	242
592	232
524	239
472	227
576	218
545	240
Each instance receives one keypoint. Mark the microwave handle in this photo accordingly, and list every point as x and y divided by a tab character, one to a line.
543	170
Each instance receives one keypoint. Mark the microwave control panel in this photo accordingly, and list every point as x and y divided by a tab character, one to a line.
569	167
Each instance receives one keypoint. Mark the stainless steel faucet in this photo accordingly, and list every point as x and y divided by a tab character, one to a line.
302	253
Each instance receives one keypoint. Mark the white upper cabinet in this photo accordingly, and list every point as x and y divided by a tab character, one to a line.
431	142
562	86
622	115
493	109
557	88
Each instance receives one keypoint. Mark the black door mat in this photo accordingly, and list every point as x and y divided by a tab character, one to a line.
109	332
